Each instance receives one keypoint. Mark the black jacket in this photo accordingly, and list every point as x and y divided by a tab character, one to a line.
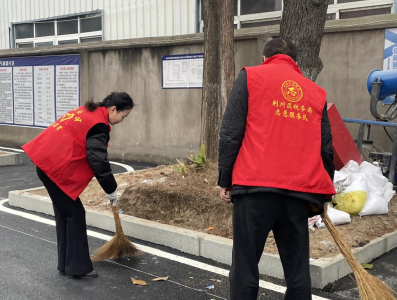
97	155
232	135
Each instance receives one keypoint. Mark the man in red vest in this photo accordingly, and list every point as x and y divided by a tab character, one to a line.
276	166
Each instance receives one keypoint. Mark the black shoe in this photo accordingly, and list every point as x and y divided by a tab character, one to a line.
92	274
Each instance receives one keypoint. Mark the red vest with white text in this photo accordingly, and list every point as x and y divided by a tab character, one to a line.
282	143
60	150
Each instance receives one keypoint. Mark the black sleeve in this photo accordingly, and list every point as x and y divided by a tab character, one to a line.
327	152
97	155
233	129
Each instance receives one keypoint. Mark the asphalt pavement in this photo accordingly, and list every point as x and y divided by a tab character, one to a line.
28	255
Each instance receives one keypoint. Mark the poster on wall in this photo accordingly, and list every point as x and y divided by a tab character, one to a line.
390	56
36	91
182	71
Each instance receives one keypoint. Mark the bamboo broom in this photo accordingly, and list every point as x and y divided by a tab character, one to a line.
369	287
119	246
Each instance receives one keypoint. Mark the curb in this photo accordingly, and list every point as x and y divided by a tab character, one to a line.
219	249
10	159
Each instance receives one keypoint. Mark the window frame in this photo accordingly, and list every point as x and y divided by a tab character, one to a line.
332	9
56	38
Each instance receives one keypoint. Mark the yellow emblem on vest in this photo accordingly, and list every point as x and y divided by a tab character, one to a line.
291	91
67	116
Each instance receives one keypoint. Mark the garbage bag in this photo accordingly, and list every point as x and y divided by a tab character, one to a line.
375	205
350	202
337	217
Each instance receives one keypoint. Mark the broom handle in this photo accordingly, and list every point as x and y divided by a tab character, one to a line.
119	229
343	247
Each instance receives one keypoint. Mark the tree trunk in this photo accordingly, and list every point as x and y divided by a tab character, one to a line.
218	69
303	24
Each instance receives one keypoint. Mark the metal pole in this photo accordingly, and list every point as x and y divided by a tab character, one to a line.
360	138
392	169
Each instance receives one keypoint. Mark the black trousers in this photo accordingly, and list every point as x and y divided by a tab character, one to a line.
71	228
254	215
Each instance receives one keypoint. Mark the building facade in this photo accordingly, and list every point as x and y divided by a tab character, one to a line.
35	23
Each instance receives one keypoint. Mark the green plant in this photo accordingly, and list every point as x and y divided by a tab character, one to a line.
193	163
180	167
200	160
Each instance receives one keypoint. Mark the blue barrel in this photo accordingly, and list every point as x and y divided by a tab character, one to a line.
389	82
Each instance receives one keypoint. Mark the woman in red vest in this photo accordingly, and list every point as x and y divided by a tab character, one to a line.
67	155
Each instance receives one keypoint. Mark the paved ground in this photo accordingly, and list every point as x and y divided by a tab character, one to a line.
28	263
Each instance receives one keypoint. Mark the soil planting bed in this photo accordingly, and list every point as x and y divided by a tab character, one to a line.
160	194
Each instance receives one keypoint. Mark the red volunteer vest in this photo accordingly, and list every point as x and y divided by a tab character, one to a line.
60	150
282	143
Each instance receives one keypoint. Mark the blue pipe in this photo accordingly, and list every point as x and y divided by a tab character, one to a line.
12	35
103	22
198	15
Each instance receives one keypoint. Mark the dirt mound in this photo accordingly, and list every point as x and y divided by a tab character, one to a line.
189	201
163	195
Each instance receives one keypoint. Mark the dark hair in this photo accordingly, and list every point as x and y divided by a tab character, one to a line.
121	100
279	46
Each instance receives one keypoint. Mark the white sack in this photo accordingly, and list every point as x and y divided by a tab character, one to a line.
337	217
375	205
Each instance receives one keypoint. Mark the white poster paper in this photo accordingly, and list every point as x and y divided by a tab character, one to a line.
6	96
44	97
67	88
23	95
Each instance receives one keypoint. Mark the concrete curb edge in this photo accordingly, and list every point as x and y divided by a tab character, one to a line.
219	249
10	159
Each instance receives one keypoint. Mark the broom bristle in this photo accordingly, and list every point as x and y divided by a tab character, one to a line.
369	286
119	246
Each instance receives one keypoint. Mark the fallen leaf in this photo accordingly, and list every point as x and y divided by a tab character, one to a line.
367	266
138	282
210	228
206	181
160	279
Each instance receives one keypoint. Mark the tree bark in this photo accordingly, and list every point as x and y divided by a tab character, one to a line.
218	69
303	24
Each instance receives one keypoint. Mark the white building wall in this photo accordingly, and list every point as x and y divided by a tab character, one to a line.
123	19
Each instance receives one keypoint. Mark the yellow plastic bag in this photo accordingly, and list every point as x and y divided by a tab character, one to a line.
351	202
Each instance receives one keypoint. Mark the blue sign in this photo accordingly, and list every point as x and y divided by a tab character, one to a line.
36	91
390	56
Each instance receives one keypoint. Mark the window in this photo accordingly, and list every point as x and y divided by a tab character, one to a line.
347	1
68	42
45	29
68	27
364	13
90	24
255	6
94	39
260	23
23	31
85	27
43	44
27	45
